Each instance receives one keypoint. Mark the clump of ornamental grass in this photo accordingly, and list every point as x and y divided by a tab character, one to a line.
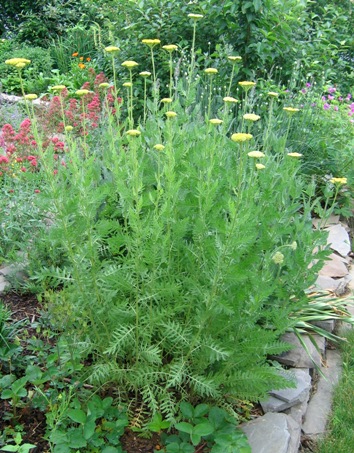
172	242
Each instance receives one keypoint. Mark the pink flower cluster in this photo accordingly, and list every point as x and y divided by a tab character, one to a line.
333	100
19	147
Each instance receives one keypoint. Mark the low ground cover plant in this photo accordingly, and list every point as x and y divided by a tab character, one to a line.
174	244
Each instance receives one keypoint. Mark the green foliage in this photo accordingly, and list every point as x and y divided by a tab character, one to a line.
142	222
213	426
96	425
19	446
40	67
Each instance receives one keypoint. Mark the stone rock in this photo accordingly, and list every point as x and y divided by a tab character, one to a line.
295	395
328	326
272	433
298	411
319	406
3	285
298	357
319	223
326	283
334	267
338	239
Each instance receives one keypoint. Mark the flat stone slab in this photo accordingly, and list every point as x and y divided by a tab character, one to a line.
334	267
295	395
298	357
338	239
319	407
273	433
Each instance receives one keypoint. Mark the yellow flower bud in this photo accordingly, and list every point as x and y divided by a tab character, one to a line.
338	180
273	94
230	99
159	147
296	155
103	85
129	64
170	114
256	154
69	128
166	100
260	166
241	137
127	84
251	117
210	71
30	97
145	74
246	84
278	258
234	59
111	49
195	16
58	87
133	133
215	121
170	47
82	92
291	110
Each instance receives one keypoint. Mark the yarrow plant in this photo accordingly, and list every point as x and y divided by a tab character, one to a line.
146	201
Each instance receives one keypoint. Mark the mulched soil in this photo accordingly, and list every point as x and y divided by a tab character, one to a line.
25	307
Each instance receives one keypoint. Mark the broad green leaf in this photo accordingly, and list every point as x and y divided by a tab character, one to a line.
203	429
186	410
184	427
89	428
77	415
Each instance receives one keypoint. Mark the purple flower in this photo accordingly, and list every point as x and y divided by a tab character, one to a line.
348	97
326	106
323	98
308	84
330	97
340	99
336	108
332	90
313	104
303	91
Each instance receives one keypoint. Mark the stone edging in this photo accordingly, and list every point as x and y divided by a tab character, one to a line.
300	414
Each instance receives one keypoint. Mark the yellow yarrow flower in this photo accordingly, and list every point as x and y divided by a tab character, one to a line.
111	49
278	258
159	147
273	94
170	47
260	166
166	100
210	71
130	64
151	42
246	84
230	99
215	121
30	97
296	155
338	180
58	87
145	74
69	128
195	16
16	61
256	154
241	137
103	85
170	114
251	117
20	65
82	92
127	84
291	110
234	59
133	133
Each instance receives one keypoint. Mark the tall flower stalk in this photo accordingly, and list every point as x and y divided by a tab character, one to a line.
170	48
195	18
